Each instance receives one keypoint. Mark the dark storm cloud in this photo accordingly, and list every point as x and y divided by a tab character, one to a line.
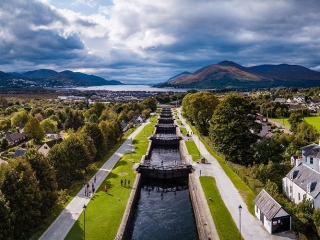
29	33
143	40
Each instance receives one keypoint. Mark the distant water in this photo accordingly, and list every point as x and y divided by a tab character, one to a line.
140	88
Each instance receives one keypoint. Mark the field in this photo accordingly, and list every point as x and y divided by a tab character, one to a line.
312	120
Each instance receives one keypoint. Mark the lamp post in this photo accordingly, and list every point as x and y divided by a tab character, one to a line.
84	221
199	146
240	208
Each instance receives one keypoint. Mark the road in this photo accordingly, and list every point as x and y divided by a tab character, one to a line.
251	227
61	226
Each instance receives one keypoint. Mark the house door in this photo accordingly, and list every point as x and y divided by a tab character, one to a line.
280	224
261	217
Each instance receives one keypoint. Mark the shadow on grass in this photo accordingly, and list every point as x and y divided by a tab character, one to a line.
119	164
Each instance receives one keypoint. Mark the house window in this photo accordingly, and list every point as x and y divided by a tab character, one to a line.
311	160
45	147
299	196
290	189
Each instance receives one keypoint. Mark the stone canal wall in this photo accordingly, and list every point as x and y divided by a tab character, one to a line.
205	225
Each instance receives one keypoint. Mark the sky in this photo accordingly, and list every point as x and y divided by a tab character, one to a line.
149	41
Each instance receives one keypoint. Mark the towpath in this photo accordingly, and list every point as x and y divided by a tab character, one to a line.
61	226
251	227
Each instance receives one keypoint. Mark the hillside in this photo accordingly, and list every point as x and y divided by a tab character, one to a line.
50	78
227	74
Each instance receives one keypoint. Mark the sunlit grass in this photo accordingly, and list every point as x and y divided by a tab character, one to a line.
246	193
223	221
193	150
183	131
105	211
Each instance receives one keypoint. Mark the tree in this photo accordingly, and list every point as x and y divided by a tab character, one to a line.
94	132
233	129
97	108
294	119
47	180
74	120
69	159
146	113
149	102
316	219
5	124
36	110
269	149
21	190
89	144
49	126
4	144
271	188
49	112
6	228
111	131
201	106
19	117
33	129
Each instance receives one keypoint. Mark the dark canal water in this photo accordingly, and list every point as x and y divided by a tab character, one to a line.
164	212
165	157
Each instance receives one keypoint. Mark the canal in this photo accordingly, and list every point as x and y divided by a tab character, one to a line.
164	211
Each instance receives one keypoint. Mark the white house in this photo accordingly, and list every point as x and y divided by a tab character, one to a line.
273	217
310	156
302	182
298	99
44	149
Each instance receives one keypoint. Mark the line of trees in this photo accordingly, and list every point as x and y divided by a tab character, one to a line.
31	185
233	131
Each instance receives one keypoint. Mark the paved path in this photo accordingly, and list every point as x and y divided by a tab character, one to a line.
282	128
64	222
251	227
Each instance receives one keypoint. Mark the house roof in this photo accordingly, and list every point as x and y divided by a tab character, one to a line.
22	125
267	205
312	150
134	121
13	136
19	152
304	175
54	142
123	124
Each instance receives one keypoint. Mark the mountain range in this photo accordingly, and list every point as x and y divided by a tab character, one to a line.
50	78
227	74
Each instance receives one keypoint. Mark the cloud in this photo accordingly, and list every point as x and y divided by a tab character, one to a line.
143	40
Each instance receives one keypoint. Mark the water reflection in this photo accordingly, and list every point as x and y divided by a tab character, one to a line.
164	211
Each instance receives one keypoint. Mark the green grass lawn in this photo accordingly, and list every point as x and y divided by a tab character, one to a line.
246	193
223	221
193	150
179	122
282	121
183	131
312	120
75	188
104	212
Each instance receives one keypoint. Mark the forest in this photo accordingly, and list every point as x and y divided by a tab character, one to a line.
32	185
